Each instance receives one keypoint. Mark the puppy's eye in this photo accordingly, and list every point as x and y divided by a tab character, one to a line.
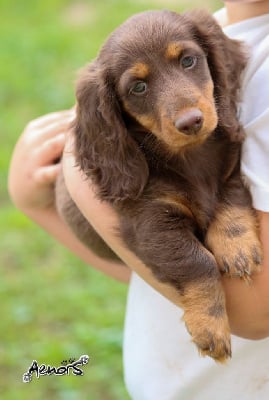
188	62
139	88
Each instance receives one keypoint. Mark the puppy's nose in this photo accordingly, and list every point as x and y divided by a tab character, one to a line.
190	122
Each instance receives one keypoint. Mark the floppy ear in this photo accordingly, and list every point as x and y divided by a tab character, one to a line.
226	60
105	151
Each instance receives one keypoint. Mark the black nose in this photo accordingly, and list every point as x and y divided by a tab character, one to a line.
190	122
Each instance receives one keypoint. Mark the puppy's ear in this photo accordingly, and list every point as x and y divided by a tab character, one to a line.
226	60
104	149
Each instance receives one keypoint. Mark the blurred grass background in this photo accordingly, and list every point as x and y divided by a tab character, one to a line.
53	307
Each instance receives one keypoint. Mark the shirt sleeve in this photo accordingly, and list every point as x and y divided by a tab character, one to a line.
255	118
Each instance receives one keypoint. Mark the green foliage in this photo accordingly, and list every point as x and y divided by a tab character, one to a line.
53	307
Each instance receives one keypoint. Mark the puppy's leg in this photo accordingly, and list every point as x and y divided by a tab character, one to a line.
233	236
206	318
163	238
78	224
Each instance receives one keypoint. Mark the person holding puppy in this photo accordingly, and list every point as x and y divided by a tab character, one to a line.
160	362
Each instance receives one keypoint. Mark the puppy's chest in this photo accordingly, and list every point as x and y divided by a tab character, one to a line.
193	187
199	196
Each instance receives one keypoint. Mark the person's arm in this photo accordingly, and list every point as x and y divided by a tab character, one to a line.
33	170
244	9
248	305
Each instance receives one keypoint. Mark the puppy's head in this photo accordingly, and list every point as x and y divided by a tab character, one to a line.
176	75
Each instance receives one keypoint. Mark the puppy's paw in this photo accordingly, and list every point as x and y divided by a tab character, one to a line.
212	336
216	346
206	318
243	258
233	240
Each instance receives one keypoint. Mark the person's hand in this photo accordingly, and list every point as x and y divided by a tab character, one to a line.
35	162
34	169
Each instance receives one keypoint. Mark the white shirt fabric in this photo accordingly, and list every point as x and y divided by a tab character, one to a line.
254	109
160	362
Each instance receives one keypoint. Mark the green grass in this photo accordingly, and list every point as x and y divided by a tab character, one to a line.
53	307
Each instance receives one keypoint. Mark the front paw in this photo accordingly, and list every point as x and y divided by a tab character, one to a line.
206	318
235	244
211	335
243	260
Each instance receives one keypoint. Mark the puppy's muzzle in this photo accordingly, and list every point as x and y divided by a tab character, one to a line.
190	122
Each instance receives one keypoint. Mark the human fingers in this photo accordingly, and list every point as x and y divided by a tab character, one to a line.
35	134
50	151
51	118
47	175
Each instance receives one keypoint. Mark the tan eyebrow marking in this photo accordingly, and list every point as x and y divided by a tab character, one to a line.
139	70
173	50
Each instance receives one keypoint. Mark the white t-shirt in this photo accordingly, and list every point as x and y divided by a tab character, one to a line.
160	361
254	109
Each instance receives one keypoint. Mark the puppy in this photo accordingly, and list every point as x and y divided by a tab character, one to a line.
157	133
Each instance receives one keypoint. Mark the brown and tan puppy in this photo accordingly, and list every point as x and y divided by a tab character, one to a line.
158	134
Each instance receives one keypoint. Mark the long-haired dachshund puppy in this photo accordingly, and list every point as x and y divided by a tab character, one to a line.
157	132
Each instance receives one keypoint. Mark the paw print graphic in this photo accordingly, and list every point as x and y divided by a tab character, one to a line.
84	359
26	378
64	362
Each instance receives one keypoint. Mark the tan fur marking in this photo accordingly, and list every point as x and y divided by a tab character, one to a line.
233	239
140	70
206	103
209	91
210	333
148	122
178	202
173	50
176	140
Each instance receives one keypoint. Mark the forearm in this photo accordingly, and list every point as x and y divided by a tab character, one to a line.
104	220
50	221
248	304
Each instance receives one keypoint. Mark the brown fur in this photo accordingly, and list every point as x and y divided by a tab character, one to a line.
166	156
